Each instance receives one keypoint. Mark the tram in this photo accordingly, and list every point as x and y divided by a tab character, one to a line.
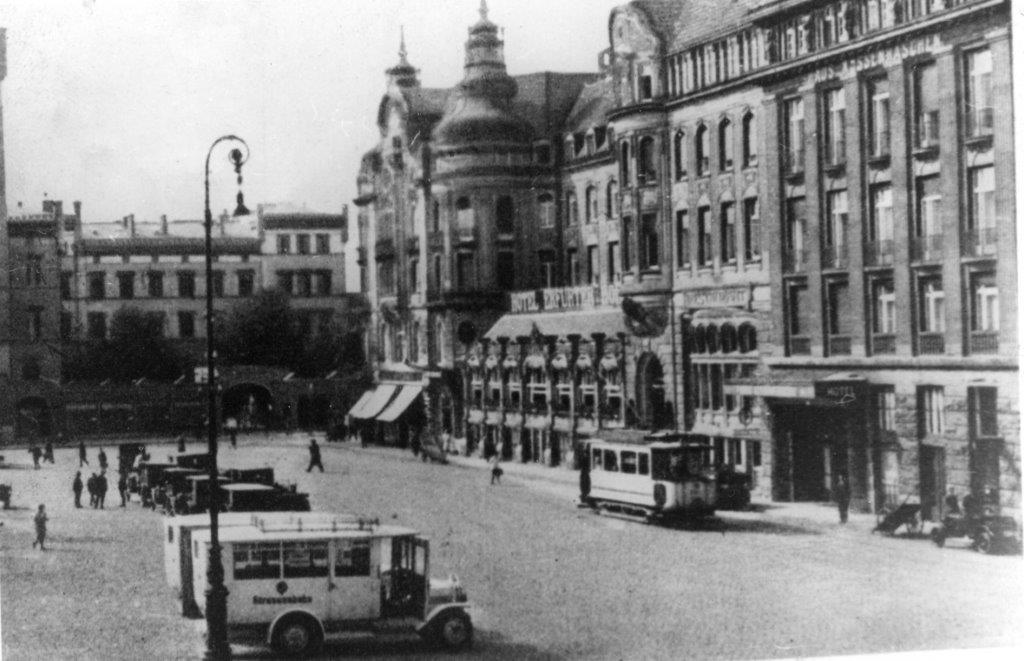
668	476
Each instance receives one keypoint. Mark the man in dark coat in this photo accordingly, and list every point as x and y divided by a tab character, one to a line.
48	452
103	459
101	489
122	488
83	460
843	498
90	485
76	487
314	456
36	453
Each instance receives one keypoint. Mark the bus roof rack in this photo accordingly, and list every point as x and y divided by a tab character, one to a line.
313	523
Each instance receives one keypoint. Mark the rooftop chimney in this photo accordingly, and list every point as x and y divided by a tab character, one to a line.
78	210
163	224
131	224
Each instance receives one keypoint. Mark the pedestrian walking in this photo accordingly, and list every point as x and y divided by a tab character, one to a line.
36	454
83	460
181	443
90	485
842	496
416	447
48	452
122	488
76	487
103	460
101	489
496	471
40	520
231	424
314	456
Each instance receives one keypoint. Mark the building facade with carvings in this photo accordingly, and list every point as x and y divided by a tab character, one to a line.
782	226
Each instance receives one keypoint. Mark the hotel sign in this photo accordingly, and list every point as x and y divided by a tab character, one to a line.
563	298
725	297
882	57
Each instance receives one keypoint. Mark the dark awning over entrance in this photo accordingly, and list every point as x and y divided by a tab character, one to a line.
397	407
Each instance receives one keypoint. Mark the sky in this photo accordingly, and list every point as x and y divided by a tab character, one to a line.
116	102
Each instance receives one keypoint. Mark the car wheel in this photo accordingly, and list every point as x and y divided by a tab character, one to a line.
297	636
454	631
984	543
939	537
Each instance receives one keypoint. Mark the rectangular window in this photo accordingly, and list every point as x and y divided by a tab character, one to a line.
506	270
627	238
593	265
305	559
979	93
984	410
878	95
629	462
835	126
931	410
546	210
751	229
932	305
304	283
34	269
285	281
66	279
796	210
705	252
96	324
984	303
324	279
926	105
882	230
464	269
794	135
613	261
547	267
126	284
838	308
649	257
883	308
97	285
572	262
186	284
799	310
682	238
186	324
611	461
836	203
155	284
218	283
246	280
284	244
323	244
260	560
302	241
352	557
728	232
982	182
35	324
885	408
928	222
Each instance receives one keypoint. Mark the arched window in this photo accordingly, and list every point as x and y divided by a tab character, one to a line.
728	338
591	210
465	219
611	203
711	338
679	154
504	214
725	144
749	140
624	157
699	340
701	146
646	171
747	338
546	209
572	211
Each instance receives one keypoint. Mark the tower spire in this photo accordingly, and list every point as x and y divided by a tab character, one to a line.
402	53
483	10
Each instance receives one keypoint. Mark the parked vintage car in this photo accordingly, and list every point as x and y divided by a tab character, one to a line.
988	533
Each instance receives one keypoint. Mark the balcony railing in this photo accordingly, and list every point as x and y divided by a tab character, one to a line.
839	345
794	260
799	346
979	241
980	122
878	253
984	342
835	257
926	248
931	343
927	136
883	343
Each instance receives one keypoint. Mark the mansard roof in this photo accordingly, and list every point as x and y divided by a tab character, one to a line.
591	107
682	23
546	99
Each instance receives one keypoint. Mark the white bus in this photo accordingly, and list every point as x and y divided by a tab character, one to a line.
293	589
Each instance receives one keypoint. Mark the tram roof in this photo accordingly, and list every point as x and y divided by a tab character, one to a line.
255	534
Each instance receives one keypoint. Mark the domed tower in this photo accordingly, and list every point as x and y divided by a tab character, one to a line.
482	183
403	74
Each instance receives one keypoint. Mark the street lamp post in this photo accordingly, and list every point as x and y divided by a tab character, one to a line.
216	593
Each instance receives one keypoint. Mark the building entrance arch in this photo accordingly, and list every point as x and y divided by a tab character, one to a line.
33	418
251	404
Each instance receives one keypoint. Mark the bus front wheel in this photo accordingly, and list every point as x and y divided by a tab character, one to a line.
297	636
454	631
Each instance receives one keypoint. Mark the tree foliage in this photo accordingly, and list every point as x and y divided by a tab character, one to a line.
136	349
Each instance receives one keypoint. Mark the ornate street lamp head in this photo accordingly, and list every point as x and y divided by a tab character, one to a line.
240	208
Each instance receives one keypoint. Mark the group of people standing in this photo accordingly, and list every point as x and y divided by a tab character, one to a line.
44	454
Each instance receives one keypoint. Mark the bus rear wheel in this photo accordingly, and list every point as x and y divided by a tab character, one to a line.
297	636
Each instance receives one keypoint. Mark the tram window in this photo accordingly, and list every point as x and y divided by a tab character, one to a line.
596	463
644	464
629	462
666	465
352	557
611	461
254	561
305	559
693	463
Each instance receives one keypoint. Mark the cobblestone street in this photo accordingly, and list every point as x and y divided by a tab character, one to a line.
548	580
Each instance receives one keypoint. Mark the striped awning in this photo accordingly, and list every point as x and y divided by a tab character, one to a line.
397	407
382	394
358	406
